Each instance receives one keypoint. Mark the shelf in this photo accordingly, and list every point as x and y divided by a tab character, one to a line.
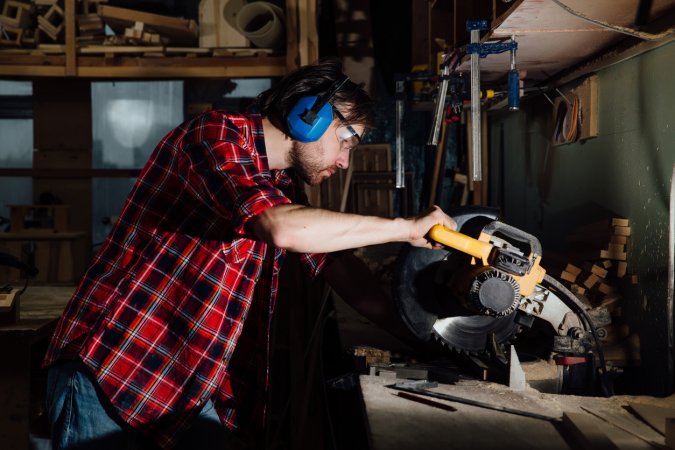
551	40
144	66
73	60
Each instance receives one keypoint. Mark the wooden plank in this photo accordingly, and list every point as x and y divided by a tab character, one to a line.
178	30
396	423
543	29
180	72
586	432
655	416
670	432
625	431
122	49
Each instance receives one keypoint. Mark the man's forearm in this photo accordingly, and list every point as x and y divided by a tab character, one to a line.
312	230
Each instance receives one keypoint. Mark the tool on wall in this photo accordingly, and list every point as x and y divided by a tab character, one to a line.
479	50
400	139
450	62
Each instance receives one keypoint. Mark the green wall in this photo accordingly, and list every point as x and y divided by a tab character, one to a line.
548	190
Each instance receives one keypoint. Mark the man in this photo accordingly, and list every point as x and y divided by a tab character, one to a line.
165	341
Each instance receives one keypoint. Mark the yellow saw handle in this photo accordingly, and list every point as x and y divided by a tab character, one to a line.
462	242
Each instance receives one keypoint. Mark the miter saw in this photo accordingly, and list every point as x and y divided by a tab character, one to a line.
486	287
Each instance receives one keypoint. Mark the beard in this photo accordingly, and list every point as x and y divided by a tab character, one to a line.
306	160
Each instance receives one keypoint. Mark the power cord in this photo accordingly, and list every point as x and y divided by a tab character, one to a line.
625	30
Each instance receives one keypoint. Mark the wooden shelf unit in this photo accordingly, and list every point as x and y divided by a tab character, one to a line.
26	63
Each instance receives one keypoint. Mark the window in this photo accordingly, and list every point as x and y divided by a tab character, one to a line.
16	145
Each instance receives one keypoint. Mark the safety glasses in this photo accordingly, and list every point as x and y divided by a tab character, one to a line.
346	134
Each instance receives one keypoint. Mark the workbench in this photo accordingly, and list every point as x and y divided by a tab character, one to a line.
395	422
22	347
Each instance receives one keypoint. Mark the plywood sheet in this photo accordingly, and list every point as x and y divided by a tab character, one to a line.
551	39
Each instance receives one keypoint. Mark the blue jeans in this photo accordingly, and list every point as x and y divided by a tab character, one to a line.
82	418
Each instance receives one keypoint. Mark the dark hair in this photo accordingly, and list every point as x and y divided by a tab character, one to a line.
315	79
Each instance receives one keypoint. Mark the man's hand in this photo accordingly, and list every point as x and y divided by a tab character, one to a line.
424	222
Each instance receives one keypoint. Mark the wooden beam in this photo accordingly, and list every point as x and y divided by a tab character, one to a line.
71	55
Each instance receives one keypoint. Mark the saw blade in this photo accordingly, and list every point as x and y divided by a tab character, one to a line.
429	309
470	333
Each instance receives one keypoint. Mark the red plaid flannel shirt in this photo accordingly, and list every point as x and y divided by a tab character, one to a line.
175	308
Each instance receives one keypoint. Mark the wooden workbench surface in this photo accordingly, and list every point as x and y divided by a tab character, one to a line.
39	307
398	423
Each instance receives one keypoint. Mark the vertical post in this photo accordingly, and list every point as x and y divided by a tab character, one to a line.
292	34
71	55
476	169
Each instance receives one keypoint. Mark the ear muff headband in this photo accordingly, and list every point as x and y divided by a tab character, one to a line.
311	116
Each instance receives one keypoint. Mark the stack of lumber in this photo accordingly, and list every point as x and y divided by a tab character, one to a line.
32	24
596	273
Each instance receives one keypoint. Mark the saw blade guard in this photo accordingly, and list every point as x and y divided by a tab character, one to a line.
420	286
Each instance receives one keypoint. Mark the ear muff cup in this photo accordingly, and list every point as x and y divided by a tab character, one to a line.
306	132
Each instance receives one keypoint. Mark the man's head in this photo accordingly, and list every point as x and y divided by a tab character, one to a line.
316	79
345	116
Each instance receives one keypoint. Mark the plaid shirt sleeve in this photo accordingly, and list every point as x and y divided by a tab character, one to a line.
222	169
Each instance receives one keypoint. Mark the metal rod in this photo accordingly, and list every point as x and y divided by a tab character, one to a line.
439	107
476	169
471	402
400	140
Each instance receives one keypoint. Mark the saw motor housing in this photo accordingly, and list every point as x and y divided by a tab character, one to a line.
499	273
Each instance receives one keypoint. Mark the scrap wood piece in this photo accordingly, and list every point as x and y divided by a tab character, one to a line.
585	430
654	416
626	424
567	276
619	256
373	355
10	36
16	14
52	22
621	231
621	222
89	24
574	270
179	31
599	271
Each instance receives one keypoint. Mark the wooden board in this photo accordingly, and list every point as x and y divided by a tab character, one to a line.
586	432
655	416
550	39
394	423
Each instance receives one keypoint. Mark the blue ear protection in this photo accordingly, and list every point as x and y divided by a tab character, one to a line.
311	116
